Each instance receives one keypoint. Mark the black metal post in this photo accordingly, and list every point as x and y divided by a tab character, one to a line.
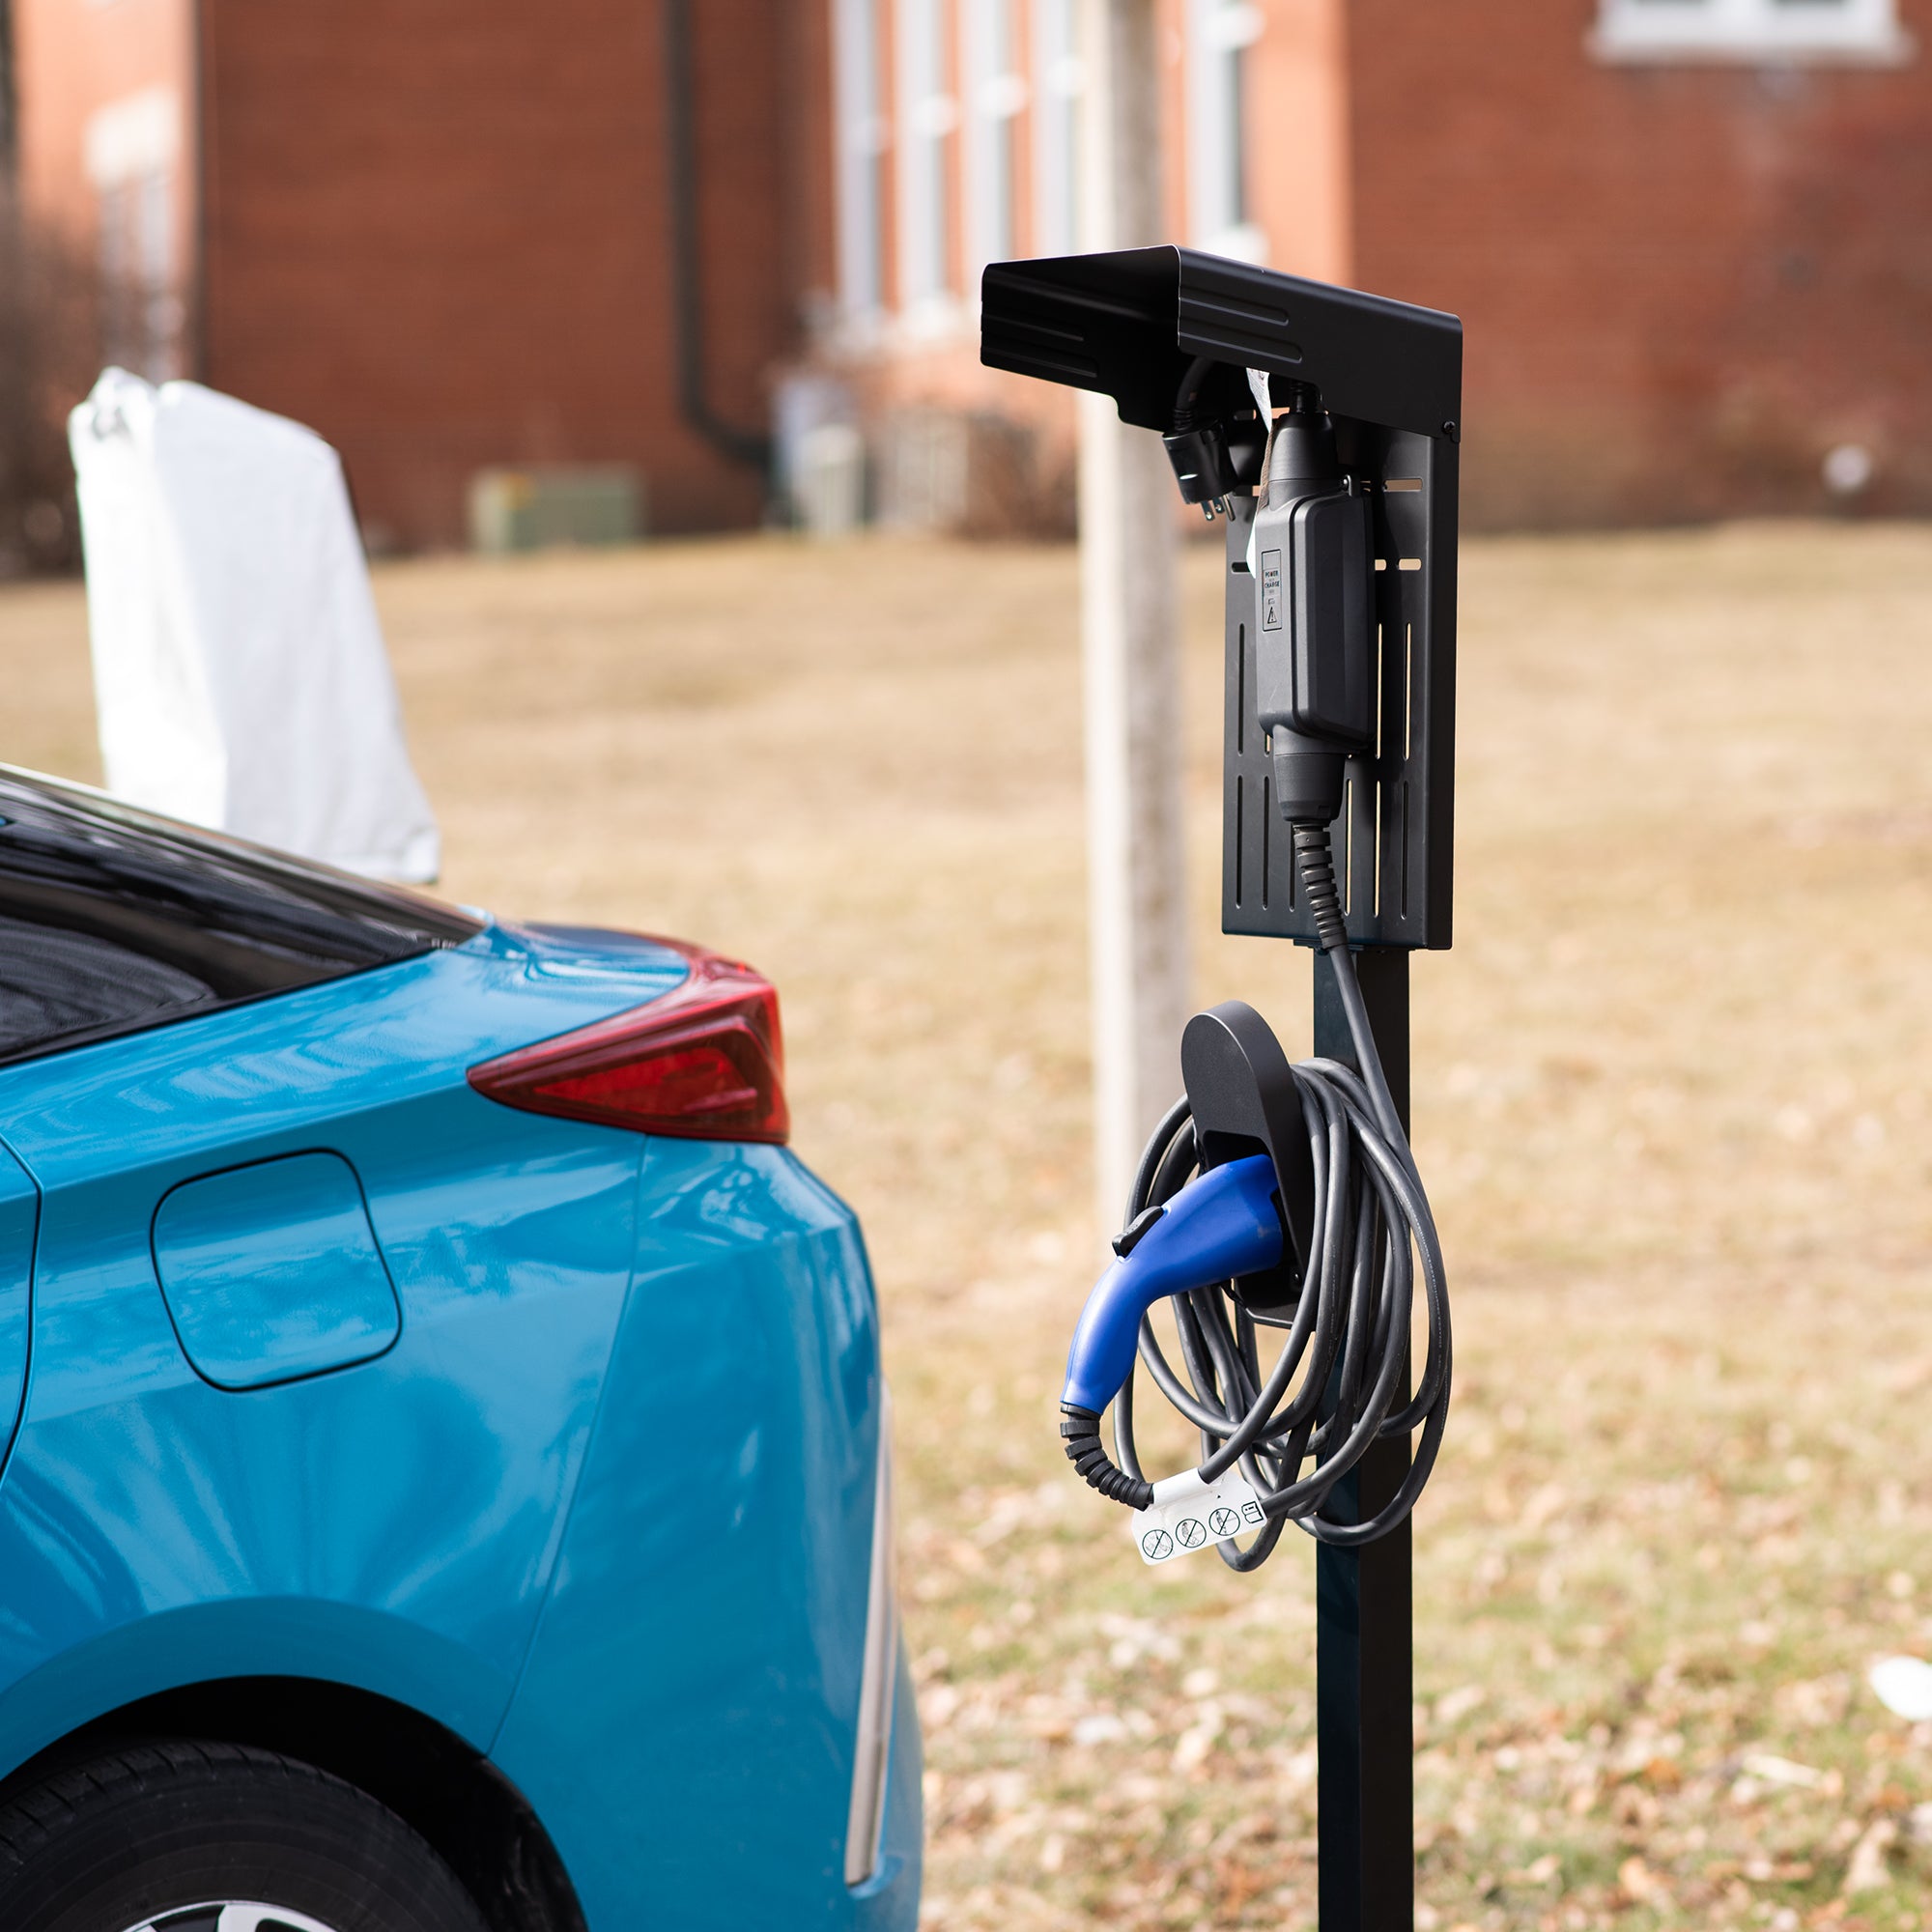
1364	1640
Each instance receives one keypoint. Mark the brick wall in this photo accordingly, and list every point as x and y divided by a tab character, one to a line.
1682	285
440	234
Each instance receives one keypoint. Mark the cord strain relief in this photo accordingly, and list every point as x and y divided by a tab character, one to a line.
1315	860
1080	1427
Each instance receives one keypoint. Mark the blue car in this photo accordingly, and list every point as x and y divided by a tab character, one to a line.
446	1482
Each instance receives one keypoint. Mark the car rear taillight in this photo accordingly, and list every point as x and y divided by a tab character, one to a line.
706	1062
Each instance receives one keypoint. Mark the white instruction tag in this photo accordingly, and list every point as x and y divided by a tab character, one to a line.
1187	1515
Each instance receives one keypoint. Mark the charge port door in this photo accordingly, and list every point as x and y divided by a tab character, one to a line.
271	1272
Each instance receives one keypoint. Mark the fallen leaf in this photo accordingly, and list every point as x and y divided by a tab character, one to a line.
1774	1769
1868	1870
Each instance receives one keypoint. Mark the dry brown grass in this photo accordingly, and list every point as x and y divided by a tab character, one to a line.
1672	1096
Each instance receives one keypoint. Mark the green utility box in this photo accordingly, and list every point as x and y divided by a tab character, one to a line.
538	507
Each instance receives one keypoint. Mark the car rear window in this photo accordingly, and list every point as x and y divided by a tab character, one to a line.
113	920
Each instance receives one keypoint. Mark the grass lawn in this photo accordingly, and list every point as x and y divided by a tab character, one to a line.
1673	1101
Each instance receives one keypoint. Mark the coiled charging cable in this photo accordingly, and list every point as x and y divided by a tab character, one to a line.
1337	1385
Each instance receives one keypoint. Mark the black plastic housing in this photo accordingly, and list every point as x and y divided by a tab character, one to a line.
1141	325
1203	466
1314	615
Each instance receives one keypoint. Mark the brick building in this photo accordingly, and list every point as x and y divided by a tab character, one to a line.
448	236
1691	238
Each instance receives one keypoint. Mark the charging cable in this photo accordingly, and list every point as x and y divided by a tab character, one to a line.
1289	1434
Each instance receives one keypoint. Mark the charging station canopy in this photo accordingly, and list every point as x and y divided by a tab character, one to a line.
1128	324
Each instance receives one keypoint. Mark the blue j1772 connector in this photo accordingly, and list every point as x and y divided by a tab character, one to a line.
1222	1226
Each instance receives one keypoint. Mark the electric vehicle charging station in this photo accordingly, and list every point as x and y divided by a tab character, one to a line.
1307	1214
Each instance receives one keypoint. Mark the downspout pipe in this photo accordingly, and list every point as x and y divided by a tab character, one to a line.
750	447
10	103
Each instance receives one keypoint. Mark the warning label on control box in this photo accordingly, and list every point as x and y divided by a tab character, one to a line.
1271	590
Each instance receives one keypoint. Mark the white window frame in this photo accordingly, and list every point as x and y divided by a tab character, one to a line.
996	96
1218	216
863	137
1750	30
1058	81
927	118
131	150
139	134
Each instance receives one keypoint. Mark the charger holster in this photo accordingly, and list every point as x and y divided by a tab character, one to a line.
1244	1101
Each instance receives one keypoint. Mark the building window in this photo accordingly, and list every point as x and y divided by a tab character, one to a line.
928	118
996	93
1749	30
1219	34
132	148
1056	127
863	137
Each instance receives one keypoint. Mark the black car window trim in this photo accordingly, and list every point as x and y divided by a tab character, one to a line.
239	922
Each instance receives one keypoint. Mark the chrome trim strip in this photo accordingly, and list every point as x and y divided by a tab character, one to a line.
865	1823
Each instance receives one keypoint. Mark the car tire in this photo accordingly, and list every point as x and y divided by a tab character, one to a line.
141	1836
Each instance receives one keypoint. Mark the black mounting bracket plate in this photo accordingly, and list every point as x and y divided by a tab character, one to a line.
1128	324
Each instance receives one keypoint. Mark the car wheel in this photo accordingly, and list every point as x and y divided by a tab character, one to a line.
204	1837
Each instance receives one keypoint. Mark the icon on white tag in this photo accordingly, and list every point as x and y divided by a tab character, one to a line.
1187	1515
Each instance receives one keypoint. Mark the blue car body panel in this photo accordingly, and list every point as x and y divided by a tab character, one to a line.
602	1504
734	1628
